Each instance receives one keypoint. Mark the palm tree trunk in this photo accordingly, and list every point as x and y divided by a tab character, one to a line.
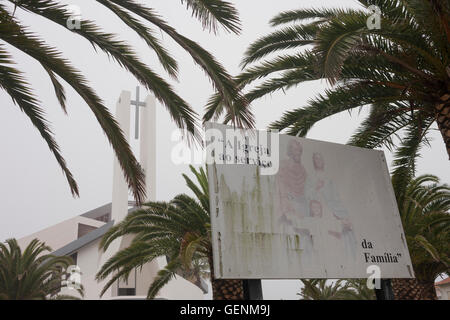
413	289
443	120
225	289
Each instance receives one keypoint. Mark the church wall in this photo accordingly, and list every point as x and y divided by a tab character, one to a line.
88	259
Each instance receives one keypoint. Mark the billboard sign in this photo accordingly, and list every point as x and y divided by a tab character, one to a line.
284	207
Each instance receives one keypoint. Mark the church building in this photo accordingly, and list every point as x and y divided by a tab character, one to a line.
79	237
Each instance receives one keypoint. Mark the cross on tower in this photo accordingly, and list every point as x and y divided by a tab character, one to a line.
138	104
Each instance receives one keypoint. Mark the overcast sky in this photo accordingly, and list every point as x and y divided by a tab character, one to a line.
34	193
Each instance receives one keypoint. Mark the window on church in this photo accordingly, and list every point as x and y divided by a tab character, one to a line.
127	292
127	287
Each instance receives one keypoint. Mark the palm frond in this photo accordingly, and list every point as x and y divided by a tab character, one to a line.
49	57
406	58
405	157
181	112
219	77
319	15
167	61
214	12
12	81
163	277
31	274
300	121
178	229
286	38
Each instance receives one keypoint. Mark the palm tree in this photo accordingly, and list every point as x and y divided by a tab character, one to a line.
400	72
318	289
424	207
141	19
179	229
358	290
343	289
31	274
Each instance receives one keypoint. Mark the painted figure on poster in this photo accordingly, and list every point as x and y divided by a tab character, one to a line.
310	205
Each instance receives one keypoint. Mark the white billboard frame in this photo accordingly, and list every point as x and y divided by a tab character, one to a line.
271	238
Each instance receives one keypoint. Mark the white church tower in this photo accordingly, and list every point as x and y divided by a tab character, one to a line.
145	130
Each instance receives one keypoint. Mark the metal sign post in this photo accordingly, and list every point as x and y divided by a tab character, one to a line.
253	289
385	292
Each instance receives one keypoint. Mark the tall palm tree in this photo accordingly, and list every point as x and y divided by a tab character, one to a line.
424	207
31	274
400	72
144	21
179	229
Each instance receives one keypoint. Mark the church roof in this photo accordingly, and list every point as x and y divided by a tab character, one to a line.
76	245
102	213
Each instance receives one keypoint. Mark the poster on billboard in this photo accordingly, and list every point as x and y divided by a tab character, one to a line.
285	207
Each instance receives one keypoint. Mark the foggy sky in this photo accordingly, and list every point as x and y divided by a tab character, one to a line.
33	191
